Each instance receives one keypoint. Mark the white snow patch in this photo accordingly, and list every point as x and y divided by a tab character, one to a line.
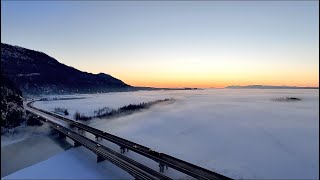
92	102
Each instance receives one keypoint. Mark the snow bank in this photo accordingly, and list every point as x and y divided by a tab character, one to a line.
91	102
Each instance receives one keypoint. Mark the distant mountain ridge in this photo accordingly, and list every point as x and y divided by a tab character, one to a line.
269	87
37	73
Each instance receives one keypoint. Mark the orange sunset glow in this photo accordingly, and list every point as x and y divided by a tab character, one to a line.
184	44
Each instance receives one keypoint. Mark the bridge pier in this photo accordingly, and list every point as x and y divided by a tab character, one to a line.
161	166
80	131
76	144
61	135
98	138
53	131
100	158
123	149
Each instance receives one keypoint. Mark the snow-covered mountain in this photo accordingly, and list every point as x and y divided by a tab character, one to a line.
37	73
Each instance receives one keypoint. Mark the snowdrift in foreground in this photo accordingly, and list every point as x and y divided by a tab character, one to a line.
241	133
76	163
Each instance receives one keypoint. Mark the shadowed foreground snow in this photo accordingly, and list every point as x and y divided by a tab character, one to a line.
76	163
241	133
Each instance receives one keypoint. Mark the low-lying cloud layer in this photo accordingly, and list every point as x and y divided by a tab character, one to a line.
239	133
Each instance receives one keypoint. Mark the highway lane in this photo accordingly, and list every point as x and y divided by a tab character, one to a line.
164	159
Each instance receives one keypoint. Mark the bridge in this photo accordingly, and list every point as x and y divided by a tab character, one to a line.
134	168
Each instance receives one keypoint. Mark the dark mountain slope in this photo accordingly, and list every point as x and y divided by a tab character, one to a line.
37	73
11	103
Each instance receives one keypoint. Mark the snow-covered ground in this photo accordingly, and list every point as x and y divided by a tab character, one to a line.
241	133
91	102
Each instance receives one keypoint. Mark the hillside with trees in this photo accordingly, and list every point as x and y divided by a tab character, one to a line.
12	111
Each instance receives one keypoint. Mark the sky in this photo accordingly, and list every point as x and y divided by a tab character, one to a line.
174	44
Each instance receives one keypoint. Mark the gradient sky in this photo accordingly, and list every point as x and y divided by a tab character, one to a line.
174	44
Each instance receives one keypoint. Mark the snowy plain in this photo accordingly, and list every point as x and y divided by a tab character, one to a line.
240	133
